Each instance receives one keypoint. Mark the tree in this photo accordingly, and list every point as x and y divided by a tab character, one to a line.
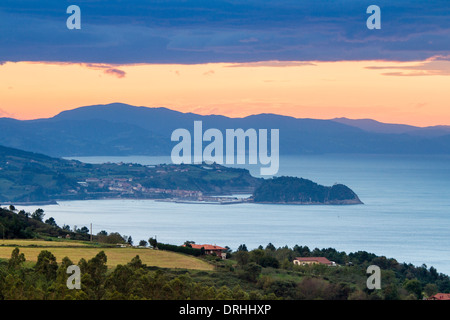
256	255
102	236
413	286
17	259
38	215
119	283
431	289
46	265
130	241
61	274
136	263
260	257
83	230
242	257
142	243
153	243
312	288
83	264
242	247
22	213
252	271
51	221
96	269
189	243
58	289
302	251
113	238
391	292
268	261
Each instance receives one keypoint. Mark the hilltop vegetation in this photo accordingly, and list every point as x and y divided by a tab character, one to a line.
16	224
36	270
303	191
30	177
262	273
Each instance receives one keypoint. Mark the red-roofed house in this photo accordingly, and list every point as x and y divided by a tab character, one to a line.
313	260
440	296
211	249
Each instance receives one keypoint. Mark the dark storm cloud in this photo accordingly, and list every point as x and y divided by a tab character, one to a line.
194	31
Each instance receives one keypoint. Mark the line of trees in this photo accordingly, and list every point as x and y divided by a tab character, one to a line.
48	280
268	271
400	280
19	224
262	273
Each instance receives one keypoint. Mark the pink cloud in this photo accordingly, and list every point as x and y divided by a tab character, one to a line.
109	69
274	63
115	72
434	66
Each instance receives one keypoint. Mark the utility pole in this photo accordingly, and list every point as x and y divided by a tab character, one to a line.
91	232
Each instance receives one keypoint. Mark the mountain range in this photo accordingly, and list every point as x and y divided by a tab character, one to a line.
119	129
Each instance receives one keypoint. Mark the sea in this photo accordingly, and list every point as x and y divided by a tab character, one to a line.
405	215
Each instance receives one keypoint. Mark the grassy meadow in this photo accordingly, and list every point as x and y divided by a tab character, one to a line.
75	250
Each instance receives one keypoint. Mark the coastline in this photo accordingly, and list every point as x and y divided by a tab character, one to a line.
328	203
31	203
187	201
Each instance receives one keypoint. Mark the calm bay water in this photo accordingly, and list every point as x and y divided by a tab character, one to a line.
406	211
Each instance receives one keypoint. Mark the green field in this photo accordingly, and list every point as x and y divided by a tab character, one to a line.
44	243
76	250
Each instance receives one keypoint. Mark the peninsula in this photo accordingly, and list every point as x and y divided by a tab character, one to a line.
292	190
32	178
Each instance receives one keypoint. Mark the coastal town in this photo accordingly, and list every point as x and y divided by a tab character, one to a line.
130	187
125	188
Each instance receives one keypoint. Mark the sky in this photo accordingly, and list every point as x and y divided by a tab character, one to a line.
304	58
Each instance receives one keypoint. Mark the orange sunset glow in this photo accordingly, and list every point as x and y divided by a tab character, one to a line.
413	93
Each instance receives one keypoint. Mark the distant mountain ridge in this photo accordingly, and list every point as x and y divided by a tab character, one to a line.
389	128
119	129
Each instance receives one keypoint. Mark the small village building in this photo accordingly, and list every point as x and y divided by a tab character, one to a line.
303	261
212	249
440	296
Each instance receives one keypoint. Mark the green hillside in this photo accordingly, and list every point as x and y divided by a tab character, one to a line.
303	191
16	224
31	177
